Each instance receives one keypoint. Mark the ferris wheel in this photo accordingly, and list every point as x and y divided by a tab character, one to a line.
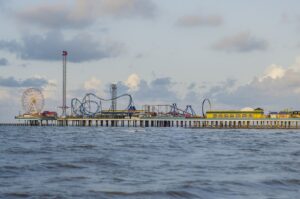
32	101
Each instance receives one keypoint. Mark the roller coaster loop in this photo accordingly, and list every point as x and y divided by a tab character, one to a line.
203	103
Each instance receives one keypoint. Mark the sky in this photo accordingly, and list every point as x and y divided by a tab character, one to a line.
237	53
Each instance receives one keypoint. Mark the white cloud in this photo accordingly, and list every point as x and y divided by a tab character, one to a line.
273	71
92	84
133	82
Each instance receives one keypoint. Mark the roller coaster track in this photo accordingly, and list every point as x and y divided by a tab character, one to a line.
91	104
203	103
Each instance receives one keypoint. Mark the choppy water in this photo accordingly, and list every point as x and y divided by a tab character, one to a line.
72	162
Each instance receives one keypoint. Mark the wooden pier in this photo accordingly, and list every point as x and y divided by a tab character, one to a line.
291	123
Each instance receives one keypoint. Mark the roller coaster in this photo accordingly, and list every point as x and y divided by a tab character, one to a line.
91	105
188	112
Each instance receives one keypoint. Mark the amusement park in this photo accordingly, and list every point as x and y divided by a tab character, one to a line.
120	110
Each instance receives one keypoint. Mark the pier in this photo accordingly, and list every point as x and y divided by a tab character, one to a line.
292	123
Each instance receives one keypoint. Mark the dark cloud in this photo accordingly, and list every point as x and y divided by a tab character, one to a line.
162	90
81	13
10	46
224	86
242	42
3	62
158	90
30	82
81	47
195	20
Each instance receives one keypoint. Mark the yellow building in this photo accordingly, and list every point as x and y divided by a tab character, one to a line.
235	114
295	114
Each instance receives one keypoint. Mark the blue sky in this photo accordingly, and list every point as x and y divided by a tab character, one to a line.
238	53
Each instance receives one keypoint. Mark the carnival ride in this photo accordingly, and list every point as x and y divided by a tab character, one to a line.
188	112
162	110
92	105
33	101
203	106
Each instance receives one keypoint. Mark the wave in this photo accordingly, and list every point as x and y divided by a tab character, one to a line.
286	182
147	194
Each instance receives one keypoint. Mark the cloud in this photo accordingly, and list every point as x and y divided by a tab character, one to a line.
242	42
195	20
4	94
273	71
92	84
50	90
128	8
55	16
82	13
3	62
81	47
278	87
9	104
133	81
191	86
30	82
158	90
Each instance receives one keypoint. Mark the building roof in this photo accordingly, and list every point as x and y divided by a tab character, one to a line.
234	111
283	112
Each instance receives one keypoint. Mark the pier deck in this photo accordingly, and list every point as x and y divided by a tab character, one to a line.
267	123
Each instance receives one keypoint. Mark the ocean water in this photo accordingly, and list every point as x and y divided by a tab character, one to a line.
87	162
